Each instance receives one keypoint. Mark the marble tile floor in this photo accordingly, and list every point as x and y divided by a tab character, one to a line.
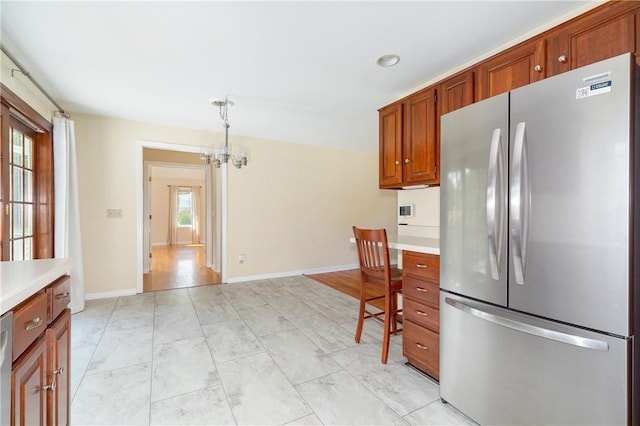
270	352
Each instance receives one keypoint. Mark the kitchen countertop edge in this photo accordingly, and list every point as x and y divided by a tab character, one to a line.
22	279
410	243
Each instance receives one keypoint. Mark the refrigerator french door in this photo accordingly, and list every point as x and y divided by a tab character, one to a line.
537	251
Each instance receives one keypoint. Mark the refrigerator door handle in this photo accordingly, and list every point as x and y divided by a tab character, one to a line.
519	204
571	339
495	216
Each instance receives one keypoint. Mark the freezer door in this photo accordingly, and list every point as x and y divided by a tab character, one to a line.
473	197
513	369
569	197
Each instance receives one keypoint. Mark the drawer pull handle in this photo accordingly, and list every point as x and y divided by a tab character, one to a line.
35	323
51	387
424	314
422	290
421	265
62	296
423	347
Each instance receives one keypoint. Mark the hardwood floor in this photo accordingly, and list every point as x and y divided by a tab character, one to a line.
178	267
184	266
347	282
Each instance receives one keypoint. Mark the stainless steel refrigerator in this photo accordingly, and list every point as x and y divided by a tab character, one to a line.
539	264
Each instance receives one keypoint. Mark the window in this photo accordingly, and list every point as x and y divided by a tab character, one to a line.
185	207
26	181
21	185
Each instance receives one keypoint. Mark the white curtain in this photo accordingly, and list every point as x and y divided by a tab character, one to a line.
172	234
68	237
195	217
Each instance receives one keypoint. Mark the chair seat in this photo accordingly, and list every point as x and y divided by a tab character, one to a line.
396	278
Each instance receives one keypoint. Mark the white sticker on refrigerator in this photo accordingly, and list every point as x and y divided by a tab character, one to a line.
594	89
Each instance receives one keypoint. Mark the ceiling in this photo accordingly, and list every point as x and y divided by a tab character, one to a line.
300	71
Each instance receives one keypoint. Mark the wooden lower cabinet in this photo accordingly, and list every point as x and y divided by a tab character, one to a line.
58	369
421	346
29	401
420	311
40	375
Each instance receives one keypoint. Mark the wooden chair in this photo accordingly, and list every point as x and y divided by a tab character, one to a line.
375	271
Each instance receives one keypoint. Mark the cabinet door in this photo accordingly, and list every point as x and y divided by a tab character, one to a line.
514	68
457	92
391	145
609	32
58	369
420	149
28	381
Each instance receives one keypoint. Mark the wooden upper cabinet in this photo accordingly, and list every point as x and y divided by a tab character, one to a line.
606	32
420	148
391	145
457	92
519	66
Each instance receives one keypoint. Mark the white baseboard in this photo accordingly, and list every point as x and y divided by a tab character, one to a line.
321	270
108	294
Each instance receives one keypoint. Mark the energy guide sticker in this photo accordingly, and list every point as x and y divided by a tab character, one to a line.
595	88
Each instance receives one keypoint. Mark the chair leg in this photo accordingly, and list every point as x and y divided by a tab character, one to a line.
387	325
394	315
363	298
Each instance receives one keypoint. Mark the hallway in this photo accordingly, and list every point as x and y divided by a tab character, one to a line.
178	266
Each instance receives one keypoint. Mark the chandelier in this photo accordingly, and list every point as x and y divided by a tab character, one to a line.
223	155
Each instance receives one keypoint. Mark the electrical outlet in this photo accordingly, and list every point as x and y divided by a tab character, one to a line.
114	213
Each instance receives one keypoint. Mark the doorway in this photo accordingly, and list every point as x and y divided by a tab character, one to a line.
177	228
183	262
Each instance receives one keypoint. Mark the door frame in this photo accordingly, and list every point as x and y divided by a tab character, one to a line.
142	225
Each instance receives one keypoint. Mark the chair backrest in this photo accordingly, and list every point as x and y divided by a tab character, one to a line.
373	252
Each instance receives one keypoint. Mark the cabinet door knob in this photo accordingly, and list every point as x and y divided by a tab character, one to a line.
537	68
51	387
562	59
397	162
58	371
406	160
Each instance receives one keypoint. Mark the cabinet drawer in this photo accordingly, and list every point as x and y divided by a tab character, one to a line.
29	321
58	297
422	291
422	265
421	346
421	314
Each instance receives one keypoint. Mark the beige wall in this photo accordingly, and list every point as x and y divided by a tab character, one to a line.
293	206
290	209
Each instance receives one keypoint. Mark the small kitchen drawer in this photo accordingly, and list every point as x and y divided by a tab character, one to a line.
422	265
422	291
421	346
58	297
421	314
29	321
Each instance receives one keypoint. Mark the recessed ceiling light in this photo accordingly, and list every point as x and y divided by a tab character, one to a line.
388	60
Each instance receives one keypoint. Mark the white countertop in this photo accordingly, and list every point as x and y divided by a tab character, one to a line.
417	244
19	280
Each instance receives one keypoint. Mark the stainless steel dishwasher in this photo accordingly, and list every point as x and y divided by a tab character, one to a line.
6	331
